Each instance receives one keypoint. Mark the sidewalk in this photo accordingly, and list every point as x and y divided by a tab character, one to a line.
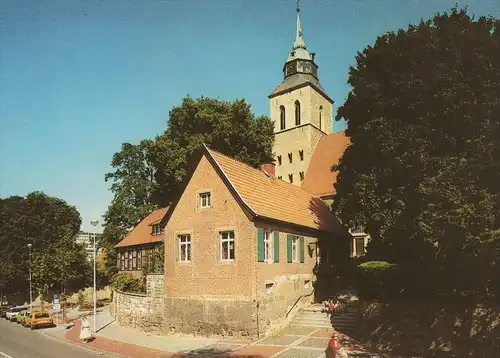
307	342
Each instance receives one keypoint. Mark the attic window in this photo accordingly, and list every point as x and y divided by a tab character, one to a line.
290	157
280	177
301	174
157	229
301	154
290	178
205	200
279	159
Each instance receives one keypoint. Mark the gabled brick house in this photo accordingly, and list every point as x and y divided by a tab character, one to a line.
136	249
241	247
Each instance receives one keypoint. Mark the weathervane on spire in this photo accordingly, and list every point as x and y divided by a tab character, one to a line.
298	5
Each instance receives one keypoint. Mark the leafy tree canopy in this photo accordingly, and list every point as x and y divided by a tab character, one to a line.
51	226
423	169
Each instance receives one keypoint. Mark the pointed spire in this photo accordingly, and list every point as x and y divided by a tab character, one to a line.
299	40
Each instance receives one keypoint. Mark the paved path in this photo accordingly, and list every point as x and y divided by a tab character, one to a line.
19	342
291	342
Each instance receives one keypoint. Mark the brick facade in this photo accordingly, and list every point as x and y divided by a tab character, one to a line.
242	297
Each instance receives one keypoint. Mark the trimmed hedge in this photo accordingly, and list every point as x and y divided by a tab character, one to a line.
377	279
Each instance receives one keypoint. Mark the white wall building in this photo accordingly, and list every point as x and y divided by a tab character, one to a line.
87	240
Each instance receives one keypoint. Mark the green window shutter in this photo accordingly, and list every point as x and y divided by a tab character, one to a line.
276	246
260	245
301	249
289	248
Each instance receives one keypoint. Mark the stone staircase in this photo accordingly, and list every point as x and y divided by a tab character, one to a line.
312	316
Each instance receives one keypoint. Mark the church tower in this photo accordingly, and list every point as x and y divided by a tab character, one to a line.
301	111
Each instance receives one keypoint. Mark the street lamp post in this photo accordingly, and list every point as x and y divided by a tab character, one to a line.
94	223
31	290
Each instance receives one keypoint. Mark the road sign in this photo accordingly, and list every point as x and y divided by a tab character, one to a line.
56	307
57	299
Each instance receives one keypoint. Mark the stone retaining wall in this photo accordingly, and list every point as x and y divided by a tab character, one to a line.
287	295
211	316
155	285
242	318
144	312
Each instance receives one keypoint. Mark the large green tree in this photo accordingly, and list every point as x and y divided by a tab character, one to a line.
149	174
51	226
228	127
423	168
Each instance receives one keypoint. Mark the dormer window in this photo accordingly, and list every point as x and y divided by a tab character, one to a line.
301	154
290	178
157	229
279	159
290	157
205	200
301	175
280	177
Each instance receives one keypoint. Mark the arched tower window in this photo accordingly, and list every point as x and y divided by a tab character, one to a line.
320	116
297	113
282	117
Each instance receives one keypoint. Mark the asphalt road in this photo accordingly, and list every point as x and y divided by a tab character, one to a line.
19	342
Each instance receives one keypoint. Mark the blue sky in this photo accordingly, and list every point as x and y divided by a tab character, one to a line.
78	78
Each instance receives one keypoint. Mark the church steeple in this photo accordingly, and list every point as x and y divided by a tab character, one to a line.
299	60
299	40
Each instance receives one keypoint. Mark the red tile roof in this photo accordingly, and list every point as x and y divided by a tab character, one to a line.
270	198
319	178
142	233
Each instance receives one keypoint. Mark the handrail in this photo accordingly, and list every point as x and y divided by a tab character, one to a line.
297	301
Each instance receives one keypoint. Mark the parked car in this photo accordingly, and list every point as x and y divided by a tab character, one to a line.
13	312
21	316
39	319
3	310
26	319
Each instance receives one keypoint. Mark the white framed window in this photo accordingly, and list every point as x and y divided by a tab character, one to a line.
185	248
129	260
268	246
295	250
139	259
227	251
205	200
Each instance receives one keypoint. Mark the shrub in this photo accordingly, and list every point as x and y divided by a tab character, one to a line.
81	298
125	282
378	279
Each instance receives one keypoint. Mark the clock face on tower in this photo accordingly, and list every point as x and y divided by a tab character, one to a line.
291	69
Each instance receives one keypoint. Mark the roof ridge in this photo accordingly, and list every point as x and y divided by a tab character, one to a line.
258	170
231	158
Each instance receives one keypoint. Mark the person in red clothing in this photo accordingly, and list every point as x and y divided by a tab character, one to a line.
333	347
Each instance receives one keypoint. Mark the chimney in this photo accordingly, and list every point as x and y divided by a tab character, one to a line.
268	168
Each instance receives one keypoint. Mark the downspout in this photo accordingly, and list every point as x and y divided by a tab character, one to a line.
256	295
258	320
